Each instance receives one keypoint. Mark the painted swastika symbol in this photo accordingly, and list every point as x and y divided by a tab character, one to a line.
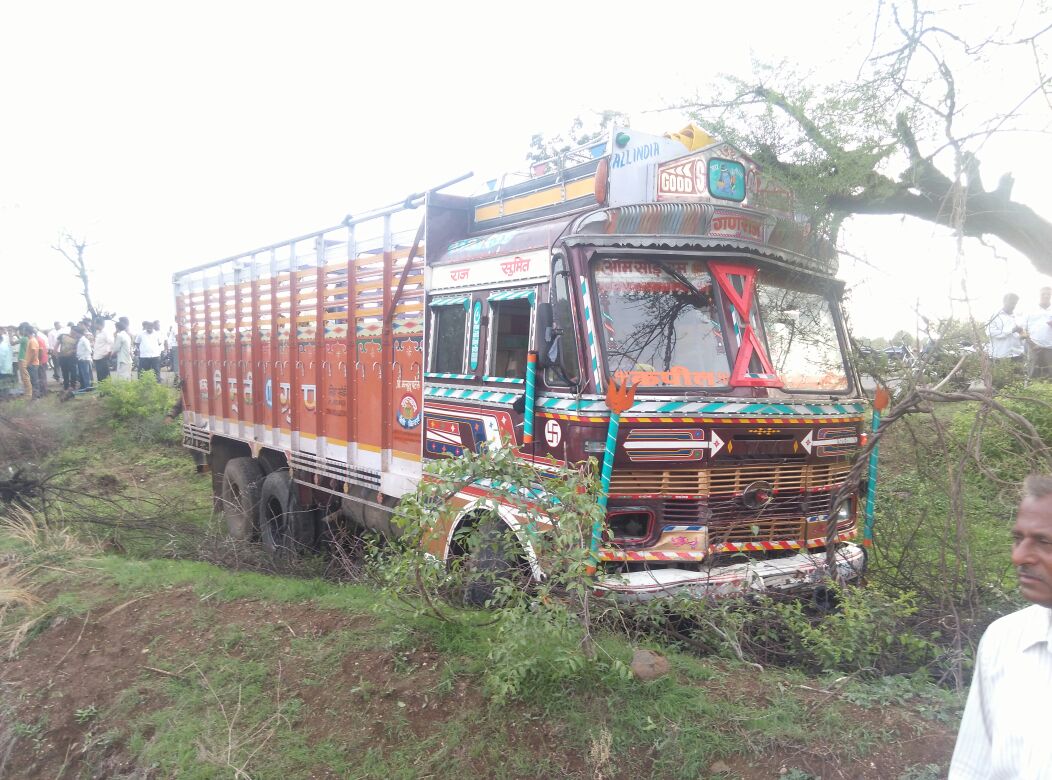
553	433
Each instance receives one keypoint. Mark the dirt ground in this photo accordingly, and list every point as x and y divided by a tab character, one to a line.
80	663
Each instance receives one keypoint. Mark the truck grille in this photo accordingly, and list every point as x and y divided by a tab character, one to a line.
731	481
773	530
717	511
741	527
711	498
729	521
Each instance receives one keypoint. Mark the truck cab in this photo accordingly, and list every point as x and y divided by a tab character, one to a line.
684	282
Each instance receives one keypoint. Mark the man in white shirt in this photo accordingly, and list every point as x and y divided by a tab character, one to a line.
1039	336
52	348
102	350
83	357
1006	731
150	348
1005	332
122	345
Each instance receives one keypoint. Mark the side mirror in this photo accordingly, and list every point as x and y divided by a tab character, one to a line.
519	406
545	323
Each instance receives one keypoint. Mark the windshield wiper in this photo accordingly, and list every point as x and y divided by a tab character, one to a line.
682	280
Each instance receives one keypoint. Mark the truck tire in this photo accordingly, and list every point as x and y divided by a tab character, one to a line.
285	526
217	490
240	498
495	560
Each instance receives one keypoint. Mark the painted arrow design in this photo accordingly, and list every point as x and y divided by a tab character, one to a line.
714	445
809	441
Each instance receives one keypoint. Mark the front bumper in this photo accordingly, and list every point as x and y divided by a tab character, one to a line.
782	575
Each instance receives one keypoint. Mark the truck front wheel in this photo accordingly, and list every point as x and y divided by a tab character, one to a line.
495	560
285	525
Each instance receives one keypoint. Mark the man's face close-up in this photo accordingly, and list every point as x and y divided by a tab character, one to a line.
1032	549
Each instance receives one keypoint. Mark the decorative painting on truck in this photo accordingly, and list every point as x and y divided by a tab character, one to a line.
719	172
494	272
450	430
726	180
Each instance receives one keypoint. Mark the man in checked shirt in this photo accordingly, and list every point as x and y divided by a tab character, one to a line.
1006	731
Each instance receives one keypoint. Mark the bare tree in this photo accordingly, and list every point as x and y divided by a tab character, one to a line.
906	134
73	250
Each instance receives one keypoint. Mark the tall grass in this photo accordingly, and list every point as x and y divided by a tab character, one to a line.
33	530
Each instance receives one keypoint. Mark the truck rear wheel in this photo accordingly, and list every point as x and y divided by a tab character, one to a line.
285	525
240	498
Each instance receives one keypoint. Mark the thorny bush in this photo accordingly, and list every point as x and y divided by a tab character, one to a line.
946	500
545	622
961	433
548	617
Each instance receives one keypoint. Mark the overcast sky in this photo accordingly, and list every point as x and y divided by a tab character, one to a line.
170	135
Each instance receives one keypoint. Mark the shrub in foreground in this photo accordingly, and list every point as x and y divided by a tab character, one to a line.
139	406
548	633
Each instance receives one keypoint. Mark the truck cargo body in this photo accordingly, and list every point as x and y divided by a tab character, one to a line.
352	356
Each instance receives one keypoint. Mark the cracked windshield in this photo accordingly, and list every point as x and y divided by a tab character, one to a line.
658	323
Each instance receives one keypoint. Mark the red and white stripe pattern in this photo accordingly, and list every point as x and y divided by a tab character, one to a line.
649	555
785	545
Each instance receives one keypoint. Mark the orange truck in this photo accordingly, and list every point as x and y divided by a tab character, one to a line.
321	374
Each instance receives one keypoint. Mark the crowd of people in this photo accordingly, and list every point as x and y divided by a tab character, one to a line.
79	355
1024	337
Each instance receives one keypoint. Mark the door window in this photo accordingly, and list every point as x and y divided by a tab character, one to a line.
563	319
450	319
511	318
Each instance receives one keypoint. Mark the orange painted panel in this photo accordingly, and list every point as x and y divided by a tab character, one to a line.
281	390
309	350
305	355
213	353
368	411
336	364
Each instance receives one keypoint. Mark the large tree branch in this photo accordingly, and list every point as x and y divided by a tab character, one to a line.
922	172
899	202
985	213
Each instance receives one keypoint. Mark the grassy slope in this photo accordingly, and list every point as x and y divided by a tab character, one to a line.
174	667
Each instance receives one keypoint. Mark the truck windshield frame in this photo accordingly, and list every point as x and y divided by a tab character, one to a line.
647	318
791	314
645	334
